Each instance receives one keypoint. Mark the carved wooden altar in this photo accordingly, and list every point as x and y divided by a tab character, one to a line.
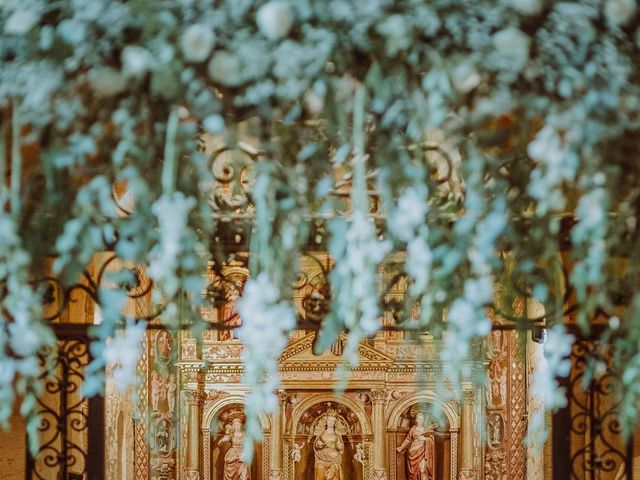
190	390
394	380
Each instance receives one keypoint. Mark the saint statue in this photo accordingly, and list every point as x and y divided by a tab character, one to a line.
171	392
420	453
162	436
234	467
328	447
163	345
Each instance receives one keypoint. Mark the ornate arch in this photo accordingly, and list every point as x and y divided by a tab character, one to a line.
424	397
348	402
212	408
209	411
450	412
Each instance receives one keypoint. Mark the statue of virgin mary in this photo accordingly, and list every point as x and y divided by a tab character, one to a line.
329	447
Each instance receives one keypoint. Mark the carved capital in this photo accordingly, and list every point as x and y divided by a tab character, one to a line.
378	396
194	398
282	396
469	397
380	475
275	475
466	475
193	474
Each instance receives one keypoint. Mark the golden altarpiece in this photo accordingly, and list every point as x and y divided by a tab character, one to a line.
186	419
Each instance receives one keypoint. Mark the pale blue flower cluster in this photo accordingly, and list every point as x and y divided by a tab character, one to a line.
265	320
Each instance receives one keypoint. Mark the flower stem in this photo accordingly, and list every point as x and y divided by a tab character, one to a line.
169	169
359	191
16	161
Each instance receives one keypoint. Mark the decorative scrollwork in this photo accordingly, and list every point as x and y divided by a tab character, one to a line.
595	425
64	412
57	296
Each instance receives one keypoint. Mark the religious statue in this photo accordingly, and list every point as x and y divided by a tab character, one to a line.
497	372
162	436
163	345
495	430
230	315
156	387
234	467
328	448
295	453
420	453
171	392
359	455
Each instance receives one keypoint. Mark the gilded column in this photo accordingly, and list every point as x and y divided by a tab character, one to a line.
467	435
378	399
192	469
275	462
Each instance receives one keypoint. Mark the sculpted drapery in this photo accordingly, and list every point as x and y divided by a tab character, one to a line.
328	447
420	453
234	467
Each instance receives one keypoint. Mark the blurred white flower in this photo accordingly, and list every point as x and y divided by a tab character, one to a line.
225	68
21	21
419	258
394	28
172	212
72	31
410	213
136	60
196	42
620	12
213	123
275	19
465	77
512	46
526	7
107	81
265	319
557	348
123	352
479	290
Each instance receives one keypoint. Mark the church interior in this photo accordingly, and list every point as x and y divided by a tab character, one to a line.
388	418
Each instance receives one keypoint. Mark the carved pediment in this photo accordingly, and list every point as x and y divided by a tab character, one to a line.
300	354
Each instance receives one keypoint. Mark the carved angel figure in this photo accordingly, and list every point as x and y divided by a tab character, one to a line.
359	455
328	447
295	453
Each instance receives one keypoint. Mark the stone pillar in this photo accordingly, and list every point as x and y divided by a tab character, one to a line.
378	399
192	469
277	429
467	435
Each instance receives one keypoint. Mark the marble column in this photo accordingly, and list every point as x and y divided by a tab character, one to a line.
277	428
467	435
378	400
192	468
